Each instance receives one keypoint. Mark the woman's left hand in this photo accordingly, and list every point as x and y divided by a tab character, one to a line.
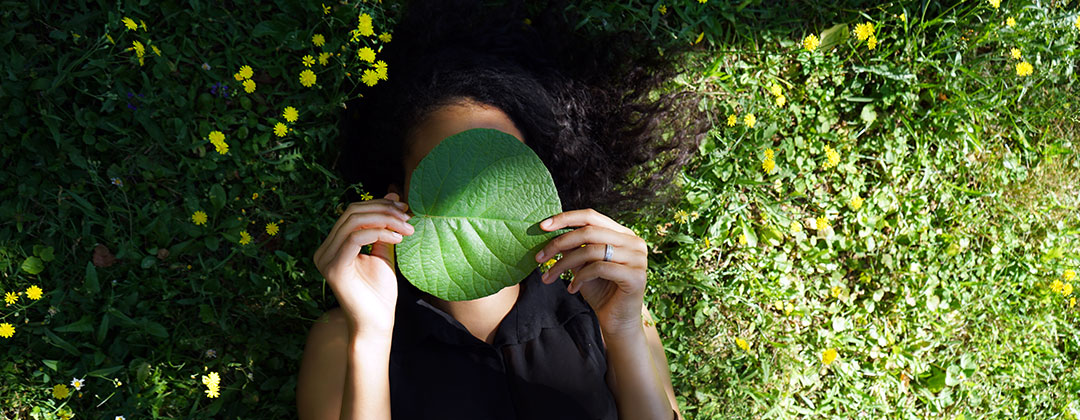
615	289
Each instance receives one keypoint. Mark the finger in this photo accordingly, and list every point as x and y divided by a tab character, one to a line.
588	235
583	255
628	279
356	240
360	221
383	205
582	218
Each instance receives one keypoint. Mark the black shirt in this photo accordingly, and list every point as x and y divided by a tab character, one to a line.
547	360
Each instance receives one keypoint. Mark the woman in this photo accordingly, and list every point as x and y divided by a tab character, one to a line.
541	348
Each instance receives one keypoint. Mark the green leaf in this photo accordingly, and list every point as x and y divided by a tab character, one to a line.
33	265
82	325
217	196
833	36
477	200
91	280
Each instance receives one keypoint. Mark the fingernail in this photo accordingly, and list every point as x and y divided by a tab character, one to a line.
540	257
544	277
545	223
400	205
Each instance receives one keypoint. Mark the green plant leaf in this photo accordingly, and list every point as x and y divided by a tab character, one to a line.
835	35
33	265
477	199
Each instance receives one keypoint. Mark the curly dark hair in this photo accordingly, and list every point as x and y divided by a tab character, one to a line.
582	101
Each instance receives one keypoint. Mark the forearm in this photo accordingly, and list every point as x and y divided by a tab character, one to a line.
367	379
637	386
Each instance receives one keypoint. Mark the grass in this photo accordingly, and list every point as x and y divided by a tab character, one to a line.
937	291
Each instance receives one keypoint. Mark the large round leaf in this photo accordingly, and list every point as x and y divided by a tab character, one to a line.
477	200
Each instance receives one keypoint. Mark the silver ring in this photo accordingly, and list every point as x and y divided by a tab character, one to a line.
608	251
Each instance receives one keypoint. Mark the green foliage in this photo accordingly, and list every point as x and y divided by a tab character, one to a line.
932	256
477	200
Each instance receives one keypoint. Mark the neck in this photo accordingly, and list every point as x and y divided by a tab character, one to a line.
481	316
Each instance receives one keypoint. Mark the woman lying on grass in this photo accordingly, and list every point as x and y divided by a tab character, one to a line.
542	348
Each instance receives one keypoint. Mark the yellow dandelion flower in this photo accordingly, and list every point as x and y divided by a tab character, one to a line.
768	165
129	23
855	203
380	69
742	239
211	379
781	101
769	153
750	120
271	228
140	50
385	37
324	58
822	223
1077	23
1010	22
7	330
832	158
363	26
1067	290
366	54
1024	68
370	77
307	78
365	196
11	297
1072	302
872	42
795	227
249	85
662	9
238	76
325	9
280	129
60	391
742	344
34	292
1057	286
1069	275
776	90
245	238
308	61
246	72
198	218
732	120
682	216
290	114
828	356
903	17
702	1
811	42
213	391
995	3
835	291
318	40
1015	53
864	31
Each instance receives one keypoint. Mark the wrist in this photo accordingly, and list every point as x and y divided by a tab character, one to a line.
370	336
623	333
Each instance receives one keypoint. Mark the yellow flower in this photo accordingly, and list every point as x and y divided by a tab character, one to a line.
855	203
864	31
60	391
140	50
1024	68
363	27
324	58
280	129
238	76
828	356
1067	290
776	90
1072	302
1015	53
699	37
380	69
995	3
142	24
308	60
822	223
370	77
742	344
307	78
246	72
811	42
1057	286
198	218
835	291
781	100
33	292
662	9
769	154
156	50
218	140
750	120
11	298
742	239
702	1
795	227
1010	22
366	54
682	216
271	228
7	330
1069	274
872	43
1077	23
318	40
290	114
249	85
129	23
903	17
832	158
768	165
732	120
211	379
213	391
385	37
325	9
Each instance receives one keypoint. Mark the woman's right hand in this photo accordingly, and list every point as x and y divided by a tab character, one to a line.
365	284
